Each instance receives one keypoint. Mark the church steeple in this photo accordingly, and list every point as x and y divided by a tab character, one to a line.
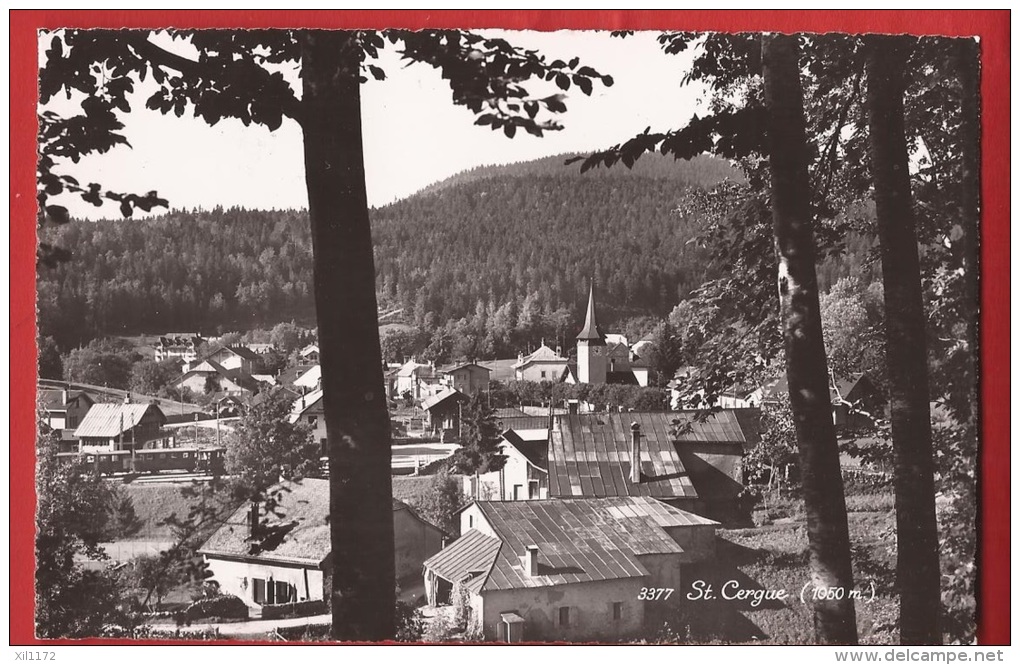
591	332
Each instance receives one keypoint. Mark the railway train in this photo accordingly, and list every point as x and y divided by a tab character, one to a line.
151	460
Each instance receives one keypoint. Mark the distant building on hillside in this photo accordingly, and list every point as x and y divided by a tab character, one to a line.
308	409
178	345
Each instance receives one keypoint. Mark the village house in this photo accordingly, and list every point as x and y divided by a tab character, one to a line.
690	461
62	410
126	426
443	412
310	379
230	358
309	355
208	376
468	378
856	401
417	381
177	345
525	473
567	569
543	364
308	409
271	557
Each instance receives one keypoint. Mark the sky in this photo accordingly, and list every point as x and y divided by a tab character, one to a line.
413	134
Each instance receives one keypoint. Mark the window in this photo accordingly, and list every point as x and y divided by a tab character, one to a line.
564	617
313	420
259	590
543	373
471	521
617	611
186	455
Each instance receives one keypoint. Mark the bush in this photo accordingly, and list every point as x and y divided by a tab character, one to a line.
304	608
222	607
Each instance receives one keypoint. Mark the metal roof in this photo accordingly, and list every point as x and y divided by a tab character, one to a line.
110	420
578	540
469	559
589	456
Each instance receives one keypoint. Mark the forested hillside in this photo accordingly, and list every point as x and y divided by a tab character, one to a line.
528	236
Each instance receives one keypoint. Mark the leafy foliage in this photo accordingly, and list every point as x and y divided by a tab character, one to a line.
266	447
72	519
479	451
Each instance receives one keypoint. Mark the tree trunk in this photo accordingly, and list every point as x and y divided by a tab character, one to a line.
357	420
806	370
917	561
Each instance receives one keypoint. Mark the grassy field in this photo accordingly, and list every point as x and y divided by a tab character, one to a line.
774	557
154	503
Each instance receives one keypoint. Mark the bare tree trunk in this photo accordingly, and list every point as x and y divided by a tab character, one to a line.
917	561
806	370
357	421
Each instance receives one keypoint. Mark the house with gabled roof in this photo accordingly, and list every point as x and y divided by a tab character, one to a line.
208	376
125	426
268	557
524	475
566	569
468	378
232	358
309	410
542	364
688	459
62	410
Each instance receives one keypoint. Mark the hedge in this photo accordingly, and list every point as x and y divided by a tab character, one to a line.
223	607
303	608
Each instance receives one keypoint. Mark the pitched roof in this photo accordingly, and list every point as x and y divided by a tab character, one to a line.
541	354
589	456
413	368
453	367
509	412
591	331
297	529
439	398
242	351
535	451
468	559
304	403
843	387
110	420
310	348
578	540
289	375
522	422
310	378
53	400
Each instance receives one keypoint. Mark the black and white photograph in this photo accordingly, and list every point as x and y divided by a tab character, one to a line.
507	336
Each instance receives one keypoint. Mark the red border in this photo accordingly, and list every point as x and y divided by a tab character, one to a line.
991	25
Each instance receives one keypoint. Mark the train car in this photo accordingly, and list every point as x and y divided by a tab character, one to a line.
151	460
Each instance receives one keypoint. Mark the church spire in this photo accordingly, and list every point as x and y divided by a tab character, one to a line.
591	332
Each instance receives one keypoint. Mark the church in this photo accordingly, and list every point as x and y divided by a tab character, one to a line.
604	358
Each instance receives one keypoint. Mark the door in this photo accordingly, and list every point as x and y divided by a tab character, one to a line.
259	590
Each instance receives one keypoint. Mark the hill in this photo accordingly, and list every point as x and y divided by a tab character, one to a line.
533	233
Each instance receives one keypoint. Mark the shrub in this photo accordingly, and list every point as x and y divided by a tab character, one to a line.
302	608
223	607
870	503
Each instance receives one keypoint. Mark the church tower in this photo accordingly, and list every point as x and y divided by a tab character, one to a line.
591	347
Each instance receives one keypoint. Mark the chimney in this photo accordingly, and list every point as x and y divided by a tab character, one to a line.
127	398
253	520
635	452
531	561
63	396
